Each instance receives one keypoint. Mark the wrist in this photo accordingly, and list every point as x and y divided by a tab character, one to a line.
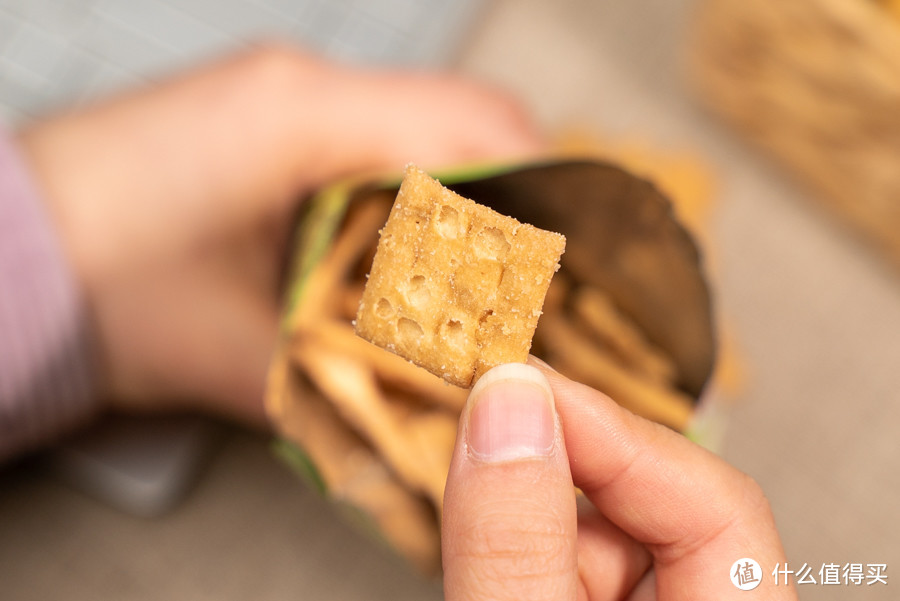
49	377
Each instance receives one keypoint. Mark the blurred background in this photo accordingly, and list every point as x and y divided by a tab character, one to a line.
775	125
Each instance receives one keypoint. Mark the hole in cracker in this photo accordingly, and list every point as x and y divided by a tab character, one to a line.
418	293
453	334
383	308
449	224
508	279
491	273
410	332
491	243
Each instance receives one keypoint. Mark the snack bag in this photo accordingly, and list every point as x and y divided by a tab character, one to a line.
628	313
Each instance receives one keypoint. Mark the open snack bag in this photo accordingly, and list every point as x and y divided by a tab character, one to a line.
628	313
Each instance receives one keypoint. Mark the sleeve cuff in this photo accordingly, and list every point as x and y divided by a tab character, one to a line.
47	369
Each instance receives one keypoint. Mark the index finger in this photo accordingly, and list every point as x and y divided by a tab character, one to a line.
696	514
249	134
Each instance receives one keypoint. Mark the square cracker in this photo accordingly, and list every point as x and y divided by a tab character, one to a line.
455	287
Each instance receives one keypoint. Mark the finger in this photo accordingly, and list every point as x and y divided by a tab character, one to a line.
696	513
509	525
222	352
610	561
244	137
645	589
296	120
427	118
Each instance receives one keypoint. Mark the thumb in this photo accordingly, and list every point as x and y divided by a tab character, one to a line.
509	523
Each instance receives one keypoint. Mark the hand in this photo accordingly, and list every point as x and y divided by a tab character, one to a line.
174	203
663	518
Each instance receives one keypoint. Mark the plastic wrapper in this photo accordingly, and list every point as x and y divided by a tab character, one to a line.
629	313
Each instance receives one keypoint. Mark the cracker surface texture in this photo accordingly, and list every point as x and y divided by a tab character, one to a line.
455	287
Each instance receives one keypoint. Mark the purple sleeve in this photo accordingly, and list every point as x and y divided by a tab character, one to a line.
47	374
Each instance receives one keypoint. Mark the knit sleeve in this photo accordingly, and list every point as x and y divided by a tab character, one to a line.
47	375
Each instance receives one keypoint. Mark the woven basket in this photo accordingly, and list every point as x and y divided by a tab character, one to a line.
817	84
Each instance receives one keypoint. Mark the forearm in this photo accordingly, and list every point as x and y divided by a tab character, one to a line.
47	383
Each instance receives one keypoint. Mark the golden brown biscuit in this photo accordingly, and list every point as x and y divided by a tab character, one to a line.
455	287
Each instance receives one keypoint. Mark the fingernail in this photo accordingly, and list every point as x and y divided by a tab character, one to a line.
538	362
511	415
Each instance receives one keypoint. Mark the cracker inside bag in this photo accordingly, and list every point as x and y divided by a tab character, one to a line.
374	431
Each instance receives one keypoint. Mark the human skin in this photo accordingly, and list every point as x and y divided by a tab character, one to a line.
661	517
174	203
